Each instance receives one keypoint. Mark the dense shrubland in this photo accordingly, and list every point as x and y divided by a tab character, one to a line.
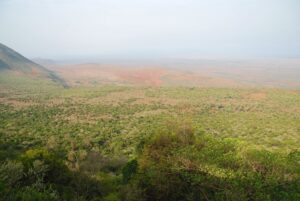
176	163
141	143
185	165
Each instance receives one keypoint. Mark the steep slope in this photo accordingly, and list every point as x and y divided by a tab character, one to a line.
13	62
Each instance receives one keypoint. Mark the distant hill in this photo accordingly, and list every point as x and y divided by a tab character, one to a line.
13	62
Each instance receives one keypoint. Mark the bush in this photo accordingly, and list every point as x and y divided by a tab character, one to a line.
174	167
11	173
129	170
31	194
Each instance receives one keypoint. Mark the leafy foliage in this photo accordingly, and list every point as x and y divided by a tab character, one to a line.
212	169
144	143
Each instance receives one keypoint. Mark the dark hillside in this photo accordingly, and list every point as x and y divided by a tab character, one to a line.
13	62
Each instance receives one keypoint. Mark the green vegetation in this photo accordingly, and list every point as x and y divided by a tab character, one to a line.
181	165
147	143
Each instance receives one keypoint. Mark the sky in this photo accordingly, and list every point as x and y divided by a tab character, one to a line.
58	29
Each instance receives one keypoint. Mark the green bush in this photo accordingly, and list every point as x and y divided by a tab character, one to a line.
129	170
11	173
212	169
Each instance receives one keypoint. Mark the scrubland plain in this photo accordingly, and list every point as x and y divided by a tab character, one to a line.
149	132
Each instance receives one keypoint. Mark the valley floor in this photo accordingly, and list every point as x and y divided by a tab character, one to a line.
102	134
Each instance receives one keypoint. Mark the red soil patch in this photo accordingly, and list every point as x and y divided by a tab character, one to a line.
257	96
144	76
110	74
150	76
34	72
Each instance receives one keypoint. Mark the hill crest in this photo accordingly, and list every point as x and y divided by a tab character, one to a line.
12	61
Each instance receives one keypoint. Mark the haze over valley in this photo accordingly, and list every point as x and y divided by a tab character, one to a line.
142	100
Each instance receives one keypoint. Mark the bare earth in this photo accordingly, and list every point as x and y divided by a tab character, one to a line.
283	73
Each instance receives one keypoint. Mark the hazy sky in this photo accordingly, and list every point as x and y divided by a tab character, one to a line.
151	28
